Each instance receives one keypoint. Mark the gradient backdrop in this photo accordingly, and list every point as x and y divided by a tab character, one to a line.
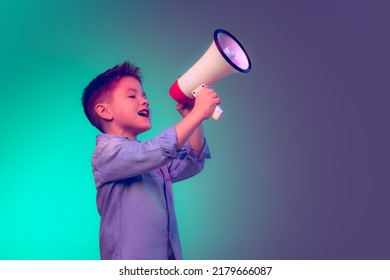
300	166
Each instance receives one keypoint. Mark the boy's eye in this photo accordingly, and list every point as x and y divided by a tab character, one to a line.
131	96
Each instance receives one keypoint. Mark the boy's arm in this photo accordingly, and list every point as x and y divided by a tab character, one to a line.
190	127
183	168
196	140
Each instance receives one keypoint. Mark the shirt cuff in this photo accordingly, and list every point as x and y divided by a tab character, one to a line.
187	152
169	141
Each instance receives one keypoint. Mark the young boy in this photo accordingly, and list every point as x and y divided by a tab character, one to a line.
133	178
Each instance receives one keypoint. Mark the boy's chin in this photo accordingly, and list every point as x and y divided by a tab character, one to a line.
131	130
146	128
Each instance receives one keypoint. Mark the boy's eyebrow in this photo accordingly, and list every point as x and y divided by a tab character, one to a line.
131	89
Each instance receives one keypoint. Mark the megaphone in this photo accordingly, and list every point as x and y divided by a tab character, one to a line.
225	56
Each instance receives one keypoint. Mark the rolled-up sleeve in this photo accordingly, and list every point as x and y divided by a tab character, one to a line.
187	162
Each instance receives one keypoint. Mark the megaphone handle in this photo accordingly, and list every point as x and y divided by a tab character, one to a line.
217	111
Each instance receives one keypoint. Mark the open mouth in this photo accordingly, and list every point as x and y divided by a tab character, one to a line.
144	113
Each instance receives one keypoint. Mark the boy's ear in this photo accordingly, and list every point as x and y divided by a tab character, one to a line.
102	109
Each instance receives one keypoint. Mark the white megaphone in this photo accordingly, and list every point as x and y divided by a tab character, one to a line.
225	56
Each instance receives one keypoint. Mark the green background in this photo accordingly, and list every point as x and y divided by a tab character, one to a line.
300	156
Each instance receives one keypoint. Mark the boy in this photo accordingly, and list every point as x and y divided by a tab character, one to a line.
134	179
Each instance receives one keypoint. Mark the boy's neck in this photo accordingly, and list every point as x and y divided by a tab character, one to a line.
121	132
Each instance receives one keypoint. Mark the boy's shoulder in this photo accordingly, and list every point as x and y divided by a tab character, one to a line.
109	141
110	137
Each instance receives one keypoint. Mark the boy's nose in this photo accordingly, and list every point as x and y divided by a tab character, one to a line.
144	101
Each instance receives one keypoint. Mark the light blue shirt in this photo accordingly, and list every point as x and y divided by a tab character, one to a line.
134	194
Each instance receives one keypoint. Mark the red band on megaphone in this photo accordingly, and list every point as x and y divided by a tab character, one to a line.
177	94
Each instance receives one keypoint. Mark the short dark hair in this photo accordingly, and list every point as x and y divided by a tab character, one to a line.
101	87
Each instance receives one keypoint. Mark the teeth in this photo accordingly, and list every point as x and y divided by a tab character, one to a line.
143	113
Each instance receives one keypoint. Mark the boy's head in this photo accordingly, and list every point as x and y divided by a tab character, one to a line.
114	92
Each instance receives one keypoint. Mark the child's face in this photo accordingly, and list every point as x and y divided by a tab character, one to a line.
129	108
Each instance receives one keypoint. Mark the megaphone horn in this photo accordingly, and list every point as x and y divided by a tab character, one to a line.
225	56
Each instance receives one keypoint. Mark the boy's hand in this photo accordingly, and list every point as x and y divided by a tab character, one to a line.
205	102
184	109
